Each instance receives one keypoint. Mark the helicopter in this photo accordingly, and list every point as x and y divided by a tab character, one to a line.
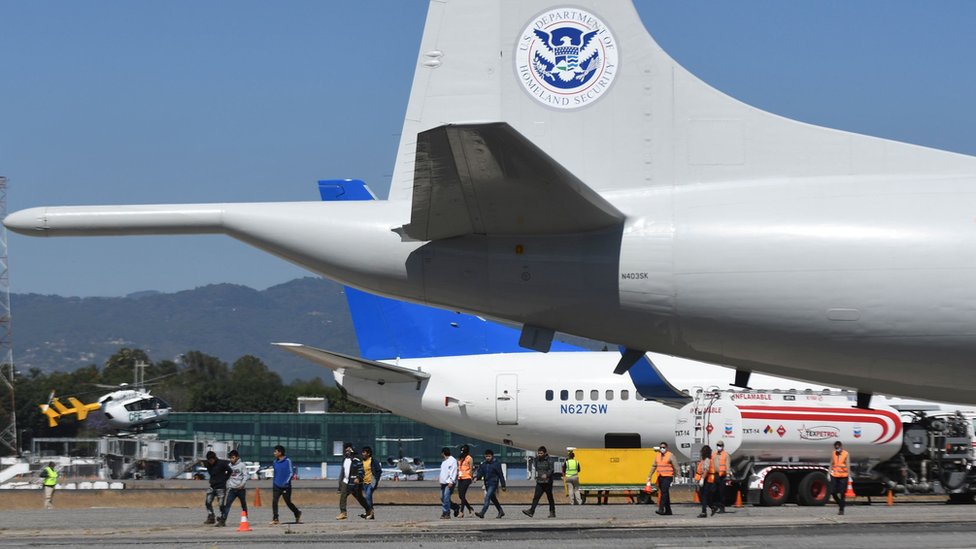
134	409
403	465
128	410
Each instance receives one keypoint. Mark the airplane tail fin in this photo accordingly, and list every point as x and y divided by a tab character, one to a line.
387	328
590	87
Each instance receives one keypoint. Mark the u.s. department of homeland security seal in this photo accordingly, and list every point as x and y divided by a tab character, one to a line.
566	58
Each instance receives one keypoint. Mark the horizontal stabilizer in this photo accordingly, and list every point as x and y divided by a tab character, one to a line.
489	179
52	416
82	409
355	367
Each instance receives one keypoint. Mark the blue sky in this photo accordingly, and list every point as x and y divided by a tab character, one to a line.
117	102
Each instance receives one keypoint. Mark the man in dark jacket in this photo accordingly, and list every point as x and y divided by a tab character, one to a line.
219	471
491	472
372	471
543	482
351	481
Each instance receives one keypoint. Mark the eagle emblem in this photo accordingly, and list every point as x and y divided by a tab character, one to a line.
566	58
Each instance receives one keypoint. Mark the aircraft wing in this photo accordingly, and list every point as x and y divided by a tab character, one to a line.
489	179
353	366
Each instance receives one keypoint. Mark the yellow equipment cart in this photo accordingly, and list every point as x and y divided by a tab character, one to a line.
616	472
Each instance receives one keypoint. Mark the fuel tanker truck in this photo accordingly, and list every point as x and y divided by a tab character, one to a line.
779	444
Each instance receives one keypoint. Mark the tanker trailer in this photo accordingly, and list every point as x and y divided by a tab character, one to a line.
780	444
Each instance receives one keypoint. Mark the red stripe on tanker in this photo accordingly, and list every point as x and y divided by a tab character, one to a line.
797	427
889	421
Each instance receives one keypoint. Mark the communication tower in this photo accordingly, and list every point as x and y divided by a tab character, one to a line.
8	410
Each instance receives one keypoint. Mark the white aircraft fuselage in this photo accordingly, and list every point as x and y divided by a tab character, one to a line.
558	400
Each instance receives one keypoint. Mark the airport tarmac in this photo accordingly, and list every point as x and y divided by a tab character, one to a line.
903	525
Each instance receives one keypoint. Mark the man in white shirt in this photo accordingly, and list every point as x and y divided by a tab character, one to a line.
448	478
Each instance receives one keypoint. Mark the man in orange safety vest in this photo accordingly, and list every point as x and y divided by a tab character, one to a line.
840	471
665	465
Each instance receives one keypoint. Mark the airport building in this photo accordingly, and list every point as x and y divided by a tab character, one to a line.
314	438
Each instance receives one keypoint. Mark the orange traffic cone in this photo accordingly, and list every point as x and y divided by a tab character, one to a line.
697	499
738	499
850	489
245	527
257	497
647	487
891	498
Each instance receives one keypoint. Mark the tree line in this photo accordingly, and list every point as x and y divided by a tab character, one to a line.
197	383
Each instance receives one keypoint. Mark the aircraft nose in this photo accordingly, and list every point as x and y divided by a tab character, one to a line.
27	221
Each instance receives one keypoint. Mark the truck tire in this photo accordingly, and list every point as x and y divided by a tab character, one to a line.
776	489
960	499
813	489
644	498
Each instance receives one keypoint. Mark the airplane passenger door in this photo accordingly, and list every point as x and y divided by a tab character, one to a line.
506	399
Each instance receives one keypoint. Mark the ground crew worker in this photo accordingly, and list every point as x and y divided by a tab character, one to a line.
665	465
705	478
722	473
50	477
571	471
840	470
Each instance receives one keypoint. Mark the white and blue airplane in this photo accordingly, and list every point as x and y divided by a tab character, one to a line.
562	172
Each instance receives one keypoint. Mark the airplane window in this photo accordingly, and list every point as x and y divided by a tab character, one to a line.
549	394
624	394
564	395
609	394
594	394
579	394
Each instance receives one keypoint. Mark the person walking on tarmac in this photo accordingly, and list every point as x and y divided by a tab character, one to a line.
219	471
284	471
236	486
448	480
543	482
50	476
705	477
372	471
665	466
721	475
840	471
352	482
491	472
571	471
465	478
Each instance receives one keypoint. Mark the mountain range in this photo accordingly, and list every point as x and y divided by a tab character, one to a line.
55	333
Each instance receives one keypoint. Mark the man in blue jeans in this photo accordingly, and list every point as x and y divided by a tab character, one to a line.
491	472
448	478
372	471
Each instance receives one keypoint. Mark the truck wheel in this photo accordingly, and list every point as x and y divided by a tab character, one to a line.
644	498
813	490
964	499
776	489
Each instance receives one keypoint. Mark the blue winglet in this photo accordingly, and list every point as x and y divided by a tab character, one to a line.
387	328
651	384
344	189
